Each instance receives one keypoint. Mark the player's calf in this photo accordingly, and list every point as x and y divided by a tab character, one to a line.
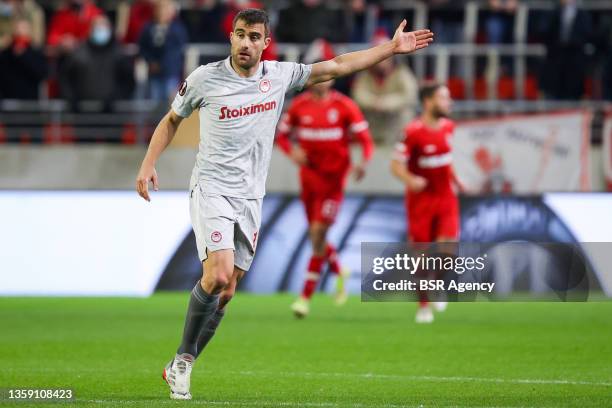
202	305
318	232
210	328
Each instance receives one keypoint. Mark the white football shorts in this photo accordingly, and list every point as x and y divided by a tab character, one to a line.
221	222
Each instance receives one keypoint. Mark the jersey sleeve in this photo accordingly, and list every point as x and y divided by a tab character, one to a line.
294	75
451	127
356	121
189	95
359	129
402	149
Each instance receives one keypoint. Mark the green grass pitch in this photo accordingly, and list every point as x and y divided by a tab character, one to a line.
112	351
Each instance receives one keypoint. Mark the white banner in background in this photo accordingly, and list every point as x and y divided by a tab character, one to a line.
88	243
524	153
607	149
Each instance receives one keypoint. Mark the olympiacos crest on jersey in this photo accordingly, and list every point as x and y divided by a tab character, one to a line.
265	85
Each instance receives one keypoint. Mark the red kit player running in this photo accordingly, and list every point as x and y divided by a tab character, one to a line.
423	161
324	122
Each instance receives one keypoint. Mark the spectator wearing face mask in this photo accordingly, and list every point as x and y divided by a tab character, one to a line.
22	67
162	45
29	10
6	22
70	25
97	70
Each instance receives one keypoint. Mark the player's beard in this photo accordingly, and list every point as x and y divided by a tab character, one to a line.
440	113
246	62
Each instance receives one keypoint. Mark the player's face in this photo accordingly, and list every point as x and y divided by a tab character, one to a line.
248	42
441	102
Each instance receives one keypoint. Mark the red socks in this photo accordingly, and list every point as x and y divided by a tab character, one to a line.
312	276
332	257
314	270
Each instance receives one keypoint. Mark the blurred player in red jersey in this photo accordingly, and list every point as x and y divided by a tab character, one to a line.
324	123
423	162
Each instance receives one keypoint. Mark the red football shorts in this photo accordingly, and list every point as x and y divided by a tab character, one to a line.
432	216
322	196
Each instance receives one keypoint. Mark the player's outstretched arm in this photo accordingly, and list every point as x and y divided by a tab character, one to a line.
162	136
346	64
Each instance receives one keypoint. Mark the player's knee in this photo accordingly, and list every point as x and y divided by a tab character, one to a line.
216	278
318	247
218	271
220	279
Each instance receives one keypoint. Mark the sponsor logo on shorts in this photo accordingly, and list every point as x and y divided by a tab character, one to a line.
216	236
229	113
264	85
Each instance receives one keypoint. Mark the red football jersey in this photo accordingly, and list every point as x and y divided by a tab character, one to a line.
324	129
427	153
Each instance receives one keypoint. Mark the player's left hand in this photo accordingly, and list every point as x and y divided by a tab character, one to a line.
359	172
407	42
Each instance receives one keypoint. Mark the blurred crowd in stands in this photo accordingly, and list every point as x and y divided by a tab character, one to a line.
82	50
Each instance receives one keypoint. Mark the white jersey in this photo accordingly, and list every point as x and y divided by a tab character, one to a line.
238	118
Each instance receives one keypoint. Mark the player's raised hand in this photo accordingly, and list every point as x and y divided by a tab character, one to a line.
407	42
146	175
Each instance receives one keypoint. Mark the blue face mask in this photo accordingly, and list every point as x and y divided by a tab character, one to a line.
100	35
6	9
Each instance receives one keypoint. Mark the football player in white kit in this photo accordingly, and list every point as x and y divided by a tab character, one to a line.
240	101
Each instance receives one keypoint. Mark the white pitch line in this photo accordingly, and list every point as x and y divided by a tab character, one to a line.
432	378
254	403
356	375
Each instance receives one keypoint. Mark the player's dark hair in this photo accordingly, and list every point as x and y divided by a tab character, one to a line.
427	91
253	16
